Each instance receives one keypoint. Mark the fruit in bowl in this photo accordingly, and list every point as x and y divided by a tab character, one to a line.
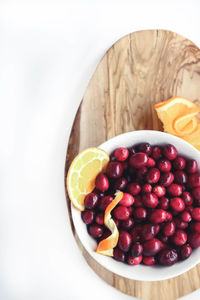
158	213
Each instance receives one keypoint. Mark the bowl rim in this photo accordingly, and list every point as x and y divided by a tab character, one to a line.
102	260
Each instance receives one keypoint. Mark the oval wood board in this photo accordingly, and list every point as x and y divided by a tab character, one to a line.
139	70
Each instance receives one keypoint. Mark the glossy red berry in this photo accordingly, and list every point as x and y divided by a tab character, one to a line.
180	237
138	160
156	153
196	194
152	247
95	230
194	239
170	152
148	231
153	175
194	180
168	257
179	163
114	169
158	216
141	173
192	166
101	182
180	224
145	147
136	233
180	177
196	214
164	165
121	183
149	260
169	216
169	228
177	204
187	198
166	179
185	252
104	202
121	212
118	254
195	226
99	219
147	188
136	249
150	162
132	150
121	154
150	200
140	213
133	261
127	200
164	203
159	190
138	201
87	216
91	200
186	216
174	190
124	241
134	188
127	224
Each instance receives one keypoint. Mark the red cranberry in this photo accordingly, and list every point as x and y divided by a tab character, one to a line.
152	247
153	175
132	150
196	213
166	179
142	172
138	160
187	198
138	201
186	251
127	200
119	255
156	153
133	261
168	228
149	260
192	166
158	216
147	188
136	233
148	231
140	213
136	249
174	190
170	152
114	169
195	226
177	204
150	162
186	216
164	165
104	202
179	163
87	216
121	183
159	190
164	239
105	234
124	241
150	200
194	239
157	228
189	208
127	224
134	188
117	223
180	237
91	200
168	257
95	231
99	218
101	182
121	154
194	180
130	208
121	212
144	147
164	203
180	224
169	216
180	177
196	194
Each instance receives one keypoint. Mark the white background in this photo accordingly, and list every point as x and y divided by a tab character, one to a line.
48	52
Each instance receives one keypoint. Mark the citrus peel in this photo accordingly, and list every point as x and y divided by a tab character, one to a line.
179	117
106	246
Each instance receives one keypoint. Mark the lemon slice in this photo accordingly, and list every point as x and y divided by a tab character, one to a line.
82	173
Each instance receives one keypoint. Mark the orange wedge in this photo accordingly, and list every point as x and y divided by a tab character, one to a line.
186	123
82	173
106	246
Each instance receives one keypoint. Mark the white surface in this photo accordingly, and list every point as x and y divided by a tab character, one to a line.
140	272
49	49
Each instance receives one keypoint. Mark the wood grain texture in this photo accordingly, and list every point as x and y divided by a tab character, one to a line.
139	70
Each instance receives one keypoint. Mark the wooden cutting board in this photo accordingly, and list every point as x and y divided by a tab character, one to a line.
139	70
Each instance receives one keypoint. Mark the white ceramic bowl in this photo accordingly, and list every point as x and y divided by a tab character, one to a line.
139	272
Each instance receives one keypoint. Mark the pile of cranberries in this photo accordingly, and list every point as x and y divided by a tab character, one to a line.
158	217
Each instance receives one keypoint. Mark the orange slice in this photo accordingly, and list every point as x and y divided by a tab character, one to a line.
82	173
106	246
187	123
